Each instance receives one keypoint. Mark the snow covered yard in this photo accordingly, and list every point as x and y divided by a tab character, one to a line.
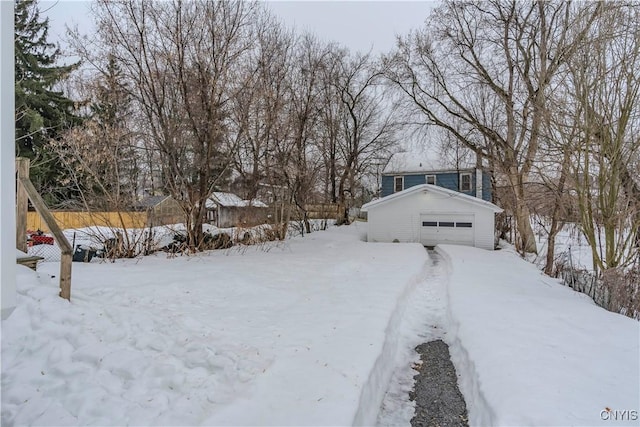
311	332
530	351
296	335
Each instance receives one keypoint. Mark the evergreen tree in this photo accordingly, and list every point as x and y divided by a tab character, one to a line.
110	117
42	112
100	155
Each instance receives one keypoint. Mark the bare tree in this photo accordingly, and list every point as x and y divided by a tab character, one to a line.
260	110
331	123
183	60
604	86
368	124
102	156
483	71
548	192
298	157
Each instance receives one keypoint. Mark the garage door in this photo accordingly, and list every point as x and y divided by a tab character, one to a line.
452	229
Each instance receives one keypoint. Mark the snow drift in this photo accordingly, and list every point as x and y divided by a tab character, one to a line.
530	351
290	334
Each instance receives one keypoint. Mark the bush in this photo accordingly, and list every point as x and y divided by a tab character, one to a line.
617	290
623	291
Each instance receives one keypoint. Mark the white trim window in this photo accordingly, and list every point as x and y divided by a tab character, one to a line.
465	181
430	179
398	183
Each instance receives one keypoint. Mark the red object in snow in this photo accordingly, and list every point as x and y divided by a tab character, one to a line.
41	239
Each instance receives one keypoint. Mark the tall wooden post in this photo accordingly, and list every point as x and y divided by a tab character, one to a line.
22	204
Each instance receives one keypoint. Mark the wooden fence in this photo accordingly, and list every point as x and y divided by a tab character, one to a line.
322	211
86	219
68	220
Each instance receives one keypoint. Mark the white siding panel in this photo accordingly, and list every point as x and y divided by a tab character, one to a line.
393	221
485	230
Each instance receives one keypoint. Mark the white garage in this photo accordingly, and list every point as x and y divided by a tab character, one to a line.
432	215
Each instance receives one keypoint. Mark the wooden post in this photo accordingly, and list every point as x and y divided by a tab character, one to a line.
22	204
65	275
65	247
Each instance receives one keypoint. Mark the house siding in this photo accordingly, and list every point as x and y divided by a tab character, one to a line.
410	180
451	181
448	180
386	186
486	187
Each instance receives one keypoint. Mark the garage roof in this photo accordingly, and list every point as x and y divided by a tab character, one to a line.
434	189
231	200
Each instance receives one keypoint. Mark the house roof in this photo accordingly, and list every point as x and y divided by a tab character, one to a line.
408	162
151	201
231	200
226	199
433	189
257	203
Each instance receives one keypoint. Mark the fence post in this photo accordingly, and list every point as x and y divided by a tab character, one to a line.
573	279
22	204
65	275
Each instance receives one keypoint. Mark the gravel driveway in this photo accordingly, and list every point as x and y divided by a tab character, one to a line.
438	399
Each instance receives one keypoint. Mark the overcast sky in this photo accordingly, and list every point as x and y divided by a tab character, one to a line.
358	25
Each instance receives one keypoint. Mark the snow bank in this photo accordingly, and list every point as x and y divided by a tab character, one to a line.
287	335
530	351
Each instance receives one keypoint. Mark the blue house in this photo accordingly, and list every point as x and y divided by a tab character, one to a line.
406	170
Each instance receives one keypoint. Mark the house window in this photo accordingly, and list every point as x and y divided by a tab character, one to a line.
446	224
465	182
429	223
431	179
398	183
464	225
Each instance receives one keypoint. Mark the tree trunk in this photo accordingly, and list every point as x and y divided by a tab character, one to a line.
194	229
551	244
343	210
307	224
285	218
556	223
525	232
527	242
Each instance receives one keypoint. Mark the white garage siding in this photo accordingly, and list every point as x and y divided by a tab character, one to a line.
458	218
485	230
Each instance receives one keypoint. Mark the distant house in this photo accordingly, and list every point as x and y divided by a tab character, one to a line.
161	210
228	210
406	170
433	202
